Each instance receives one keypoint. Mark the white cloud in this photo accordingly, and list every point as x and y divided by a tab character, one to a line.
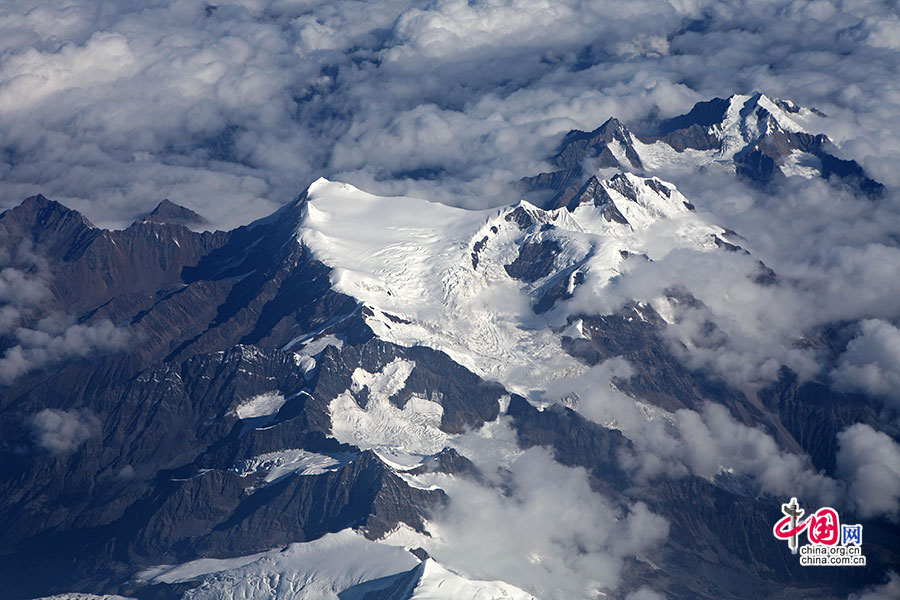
23	284
871	362
645	593
60	431
542	528
870	462
19	288
53	340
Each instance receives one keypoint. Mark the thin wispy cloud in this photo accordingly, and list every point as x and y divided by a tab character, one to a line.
61	431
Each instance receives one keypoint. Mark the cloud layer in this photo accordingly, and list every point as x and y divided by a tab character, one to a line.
233	110
870	461
55	339
536	523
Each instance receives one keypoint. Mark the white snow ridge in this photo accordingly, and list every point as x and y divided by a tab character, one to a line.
341	565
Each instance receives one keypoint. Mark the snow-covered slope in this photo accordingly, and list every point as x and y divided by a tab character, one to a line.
262	405
272	466
437	583
413	429
467	282
341	565
78	596
751	117
318	569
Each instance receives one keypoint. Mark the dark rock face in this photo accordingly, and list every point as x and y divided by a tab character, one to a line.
175	214
226	521
576	442
476	249
181	292
521	217
814	414
564	182
90	266
451	462
757	166
620	183
535	261
155	483
595	194
48	226
694	136
578	146
851	173
703	114
727	246
558	289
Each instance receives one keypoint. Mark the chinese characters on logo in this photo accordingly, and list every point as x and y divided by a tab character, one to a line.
830	542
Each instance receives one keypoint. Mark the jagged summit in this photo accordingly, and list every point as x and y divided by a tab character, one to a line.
175	214
41	208
743	108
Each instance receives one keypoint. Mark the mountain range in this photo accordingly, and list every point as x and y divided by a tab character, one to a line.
330	401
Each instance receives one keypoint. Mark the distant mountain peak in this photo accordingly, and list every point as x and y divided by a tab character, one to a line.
739	108
757	137
174	214
40	205
37	199
46	223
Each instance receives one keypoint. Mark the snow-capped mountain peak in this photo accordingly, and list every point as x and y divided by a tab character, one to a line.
476	284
